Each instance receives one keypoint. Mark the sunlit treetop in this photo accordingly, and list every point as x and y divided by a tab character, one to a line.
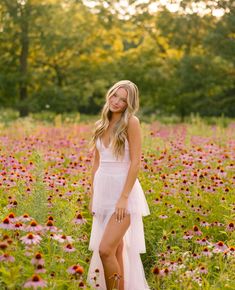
126	9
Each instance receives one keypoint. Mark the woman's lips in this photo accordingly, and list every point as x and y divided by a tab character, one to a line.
115	107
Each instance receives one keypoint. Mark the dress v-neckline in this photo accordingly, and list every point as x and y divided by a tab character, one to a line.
109	142
103	143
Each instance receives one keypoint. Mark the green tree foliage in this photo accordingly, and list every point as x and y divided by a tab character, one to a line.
63	55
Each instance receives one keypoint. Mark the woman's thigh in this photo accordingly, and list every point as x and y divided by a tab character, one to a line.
113	234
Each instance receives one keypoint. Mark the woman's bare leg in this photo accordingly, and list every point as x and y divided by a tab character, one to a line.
112	237
120	262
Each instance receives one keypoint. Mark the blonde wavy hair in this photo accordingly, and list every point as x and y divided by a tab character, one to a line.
119	132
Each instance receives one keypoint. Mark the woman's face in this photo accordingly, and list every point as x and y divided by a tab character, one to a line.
118	101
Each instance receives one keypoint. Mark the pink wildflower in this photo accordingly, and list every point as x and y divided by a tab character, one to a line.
30	239
35	282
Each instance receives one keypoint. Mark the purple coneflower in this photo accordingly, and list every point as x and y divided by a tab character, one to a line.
156	271
50	226
196	231
187	236
79	219
219	247
179	212
206	252
12	217
203	270
157	200
25	217
230	227
202	242
6	257
218	224
34	227
163	216
40	269
37	259
18	226
69	248
6	224
35	282
229	252
232	249
50	218
164	272
81	284
74	184
30	239
63	238
204	224
195	256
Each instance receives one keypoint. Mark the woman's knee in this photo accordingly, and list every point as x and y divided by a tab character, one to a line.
105	251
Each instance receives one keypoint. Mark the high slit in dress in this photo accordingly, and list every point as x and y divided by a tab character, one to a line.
109	180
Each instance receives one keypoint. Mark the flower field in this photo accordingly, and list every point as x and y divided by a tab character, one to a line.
187	174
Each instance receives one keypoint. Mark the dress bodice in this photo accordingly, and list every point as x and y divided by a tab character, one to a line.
106	154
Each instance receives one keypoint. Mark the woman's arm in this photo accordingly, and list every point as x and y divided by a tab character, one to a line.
95	166
134	136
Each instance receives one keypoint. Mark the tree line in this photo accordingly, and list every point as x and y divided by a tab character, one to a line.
63	55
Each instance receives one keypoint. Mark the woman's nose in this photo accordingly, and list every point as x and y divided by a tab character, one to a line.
116	102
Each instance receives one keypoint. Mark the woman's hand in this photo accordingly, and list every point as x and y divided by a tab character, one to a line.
121	208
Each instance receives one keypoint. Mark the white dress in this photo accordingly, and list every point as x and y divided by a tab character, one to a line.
109	180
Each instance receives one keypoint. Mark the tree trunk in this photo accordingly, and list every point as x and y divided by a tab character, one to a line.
23	66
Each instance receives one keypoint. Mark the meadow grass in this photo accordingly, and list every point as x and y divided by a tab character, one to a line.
187	175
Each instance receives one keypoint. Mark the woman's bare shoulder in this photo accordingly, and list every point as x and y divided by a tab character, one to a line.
133	121
133	128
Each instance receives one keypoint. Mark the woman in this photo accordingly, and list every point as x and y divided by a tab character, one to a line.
117	200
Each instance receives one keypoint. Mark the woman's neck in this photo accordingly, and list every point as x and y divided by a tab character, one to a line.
115	118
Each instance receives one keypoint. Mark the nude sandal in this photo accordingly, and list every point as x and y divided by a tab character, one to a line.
117	278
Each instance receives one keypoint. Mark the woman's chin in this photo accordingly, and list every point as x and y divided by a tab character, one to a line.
115	110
